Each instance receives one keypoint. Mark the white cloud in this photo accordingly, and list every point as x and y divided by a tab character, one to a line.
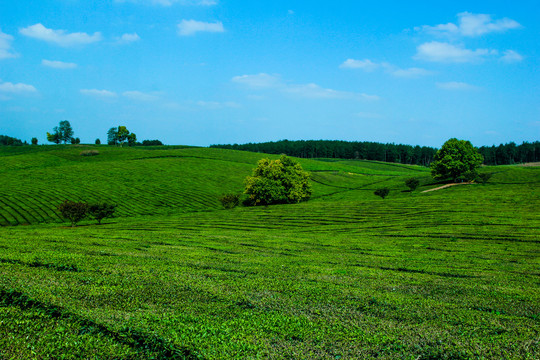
140	96
5	46
171	2
366	65
190	27
511	56
99	93
310	91
59	37
58	64
261	80
443	52
455	85
369	66
7	87
128	38
472	25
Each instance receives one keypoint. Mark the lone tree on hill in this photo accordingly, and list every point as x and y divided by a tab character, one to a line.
412	183
382	192
281	181
63	132
456	159
101	211
119	135
73	211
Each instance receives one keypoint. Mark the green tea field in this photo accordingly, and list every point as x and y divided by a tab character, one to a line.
447	274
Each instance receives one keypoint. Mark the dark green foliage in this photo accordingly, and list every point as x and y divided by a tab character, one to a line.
281	181
8	140
98	142
61	133
151	143
34	141
405	154
382	192
456	160
101	211
73	211
412	183
230	201
132	139
75	140
112	136
484	177
506	154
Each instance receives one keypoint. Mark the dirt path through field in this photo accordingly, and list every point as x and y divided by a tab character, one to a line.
446	186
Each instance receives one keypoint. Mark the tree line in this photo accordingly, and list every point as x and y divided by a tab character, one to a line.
503	154
363	150
507	154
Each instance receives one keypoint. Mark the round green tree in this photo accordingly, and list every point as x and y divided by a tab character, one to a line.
281	181
455	159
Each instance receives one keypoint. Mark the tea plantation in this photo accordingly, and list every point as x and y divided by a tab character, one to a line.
447	274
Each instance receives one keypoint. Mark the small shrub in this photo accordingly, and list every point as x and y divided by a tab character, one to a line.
98	142
73	211
101	211
34	141
412	183
90	153
382	192
230	201
484	177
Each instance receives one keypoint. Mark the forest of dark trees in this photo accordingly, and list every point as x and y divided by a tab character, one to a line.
406	154
510	153
11	141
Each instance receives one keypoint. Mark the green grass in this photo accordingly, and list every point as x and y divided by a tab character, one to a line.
450	274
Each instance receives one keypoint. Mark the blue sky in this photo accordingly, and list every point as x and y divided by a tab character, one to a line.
201	72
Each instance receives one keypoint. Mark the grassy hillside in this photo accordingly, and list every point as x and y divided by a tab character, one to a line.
449	274
150	181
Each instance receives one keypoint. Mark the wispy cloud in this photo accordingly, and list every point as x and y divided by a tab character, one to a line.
171	2
7	87
5	46
59	37
370	66
261	80
191	27
140	96
309	91
455	85
366	65
511	56
58	64
435	51
472	25
128	38
104	94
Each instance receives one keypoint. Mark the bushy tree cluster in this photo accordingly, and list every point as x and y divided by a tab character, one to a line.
61	133
10	141
456	160
120	135
75	211
281	181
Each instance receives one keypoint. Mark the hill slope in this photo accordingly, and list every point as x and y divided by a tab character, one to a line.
151	181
